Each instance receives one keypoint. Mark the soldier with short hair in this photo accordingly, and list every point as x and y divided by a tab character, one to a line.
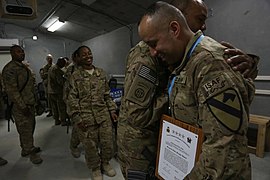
90	106
2	160
74	139
142	105
44	76
55	90
20	88
135	116
204	92
196	13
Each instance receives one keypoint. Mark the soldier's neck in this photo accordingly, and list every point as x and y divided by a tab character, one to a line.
88	67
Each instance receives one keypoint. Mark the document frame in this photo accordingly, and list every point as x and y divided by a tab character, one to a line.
180	125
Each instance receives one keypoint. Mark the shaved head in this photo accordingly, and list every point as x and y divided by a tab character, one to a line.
164	29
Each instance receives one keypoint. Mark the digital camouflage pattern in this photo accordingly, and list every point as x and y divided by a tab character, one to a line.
89	103
15	75
74	139
44	74
209	94
55	90
69	71
143	103
90	90
55	80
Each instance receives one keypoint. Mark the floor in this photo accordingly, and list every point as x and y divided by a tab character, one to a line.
58	163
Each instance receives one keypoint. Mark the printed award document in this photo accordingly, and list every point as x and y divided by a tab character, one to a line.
178	147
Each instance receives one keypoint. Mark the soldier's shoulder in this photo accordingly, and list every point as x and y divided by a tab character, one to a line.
46	66
9	71
9	66
140	55
70	69
100	70
77	73
214	48
53	67
140	50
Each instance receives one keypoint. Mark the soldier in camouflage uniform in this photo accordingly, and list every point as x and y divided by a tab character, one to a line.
44	76
195	12
55	90
19	86
143	103
204	92
74	140
129	155
2	161
90	107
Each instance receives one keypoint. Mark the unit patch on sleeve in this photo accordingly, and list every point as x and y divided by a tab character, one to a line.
215	85
143	85
227	108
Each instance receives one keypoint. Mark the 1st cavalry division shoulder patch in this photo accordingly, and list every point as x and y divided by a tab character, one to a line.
227	109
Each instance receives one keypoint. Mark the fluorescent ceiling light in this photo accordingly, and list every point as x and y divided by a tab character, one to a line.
56	25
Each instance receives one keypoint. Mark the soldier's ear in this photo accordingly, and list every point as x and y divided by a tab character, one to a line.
174	28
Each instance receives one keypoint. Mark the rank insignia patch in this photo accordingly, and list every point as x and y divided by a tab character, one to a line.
227	109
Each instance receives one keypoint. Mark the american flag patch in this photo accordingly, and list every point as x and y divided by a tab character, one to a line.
148	74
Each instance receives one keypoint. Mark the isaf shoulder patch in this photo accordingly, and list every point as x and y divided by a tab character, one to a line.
227	108
215	85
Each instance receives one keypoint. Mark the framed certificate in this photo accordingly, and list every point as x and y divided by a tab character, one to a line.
179	147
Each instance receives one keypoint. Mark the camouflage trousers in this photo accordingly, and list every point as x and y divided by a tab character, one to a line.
58	107
74	140
131	147
47	96
97	142
25	126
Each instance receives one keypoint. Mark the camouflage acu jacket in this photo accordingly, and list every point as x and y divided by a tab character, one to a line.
55	80
209	94
89	95
15	75
145	96
44	73
145	100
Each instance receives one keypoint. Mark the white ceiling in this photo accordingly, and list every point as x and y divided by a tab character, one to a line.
83	21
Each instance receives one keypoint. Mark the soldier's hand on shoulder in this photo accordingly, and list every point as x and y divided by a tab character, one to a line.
238	60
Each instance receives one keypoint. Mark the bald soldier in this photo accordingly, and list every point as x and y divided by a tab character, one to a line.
138	122
205	92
